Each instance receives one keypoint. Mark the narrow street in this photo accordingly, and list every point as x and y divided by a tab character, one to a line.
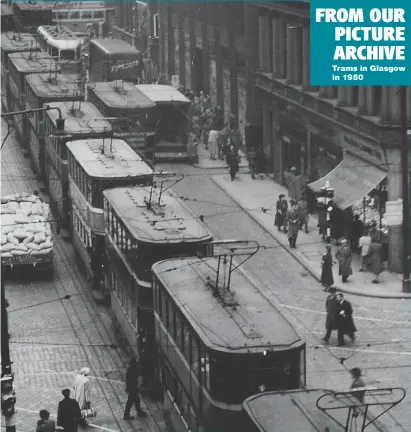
52	338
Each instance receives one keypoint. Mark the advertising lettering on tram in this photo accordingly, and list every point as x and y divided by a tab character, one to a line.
63	45
42	89
22	64
221	340
95	165
145	225
131	113
12	43
82	121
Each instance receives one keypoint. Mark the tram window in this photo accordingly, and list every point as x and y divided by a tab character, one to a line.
195	357
62	15
178	324
89	193
75	15
205	369
67	55
87	14
54	52
98	14
167	315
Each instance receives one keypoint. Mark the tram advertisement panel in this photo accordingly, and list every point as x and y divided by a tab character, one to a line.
125	66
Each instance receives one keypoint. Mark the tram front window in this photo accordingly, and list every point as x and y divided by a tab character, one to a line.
67	55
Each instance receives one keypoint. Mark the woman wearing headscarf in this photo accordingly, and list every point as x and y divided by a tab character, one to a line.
82	389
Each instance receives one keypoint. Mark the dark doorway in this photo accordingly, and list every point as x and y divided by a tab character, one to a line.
198	70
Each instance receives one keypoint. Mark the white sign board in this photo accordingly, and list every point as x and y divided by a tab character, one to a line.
393	212
175	81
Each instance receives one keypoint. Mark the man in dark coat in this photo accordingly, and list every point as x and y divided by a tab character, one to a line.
281	208
356	232
132	390
345	320
293	224
344	257
68	413
332	307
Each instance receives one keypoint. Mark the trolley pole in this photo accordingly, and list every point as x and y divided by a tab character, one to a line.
406	231
8	398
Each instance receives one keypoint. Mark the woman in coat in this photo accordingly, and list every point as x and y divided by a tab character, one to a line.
293	224
327	278
232	161
344	257
375	256
281	208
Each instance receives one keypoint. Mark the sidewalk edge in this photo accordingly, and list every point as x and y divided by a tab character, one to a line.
300	260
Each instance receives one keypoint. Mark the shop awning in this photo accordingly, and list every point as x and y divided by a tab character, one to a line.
352	180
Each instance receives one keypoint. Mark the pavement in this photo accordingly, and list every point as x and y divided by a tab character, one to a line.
205	161
262	193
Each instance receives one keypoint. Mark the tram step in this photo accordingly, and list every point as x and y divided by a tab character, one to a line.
165	157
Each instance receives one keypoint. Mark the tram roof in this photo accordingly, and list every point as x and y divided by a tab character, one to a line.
79	118
26	62
123	162
52	86
159	93
38	6
123	94
254	323
6	10
18	42
59	37
171	222
294	410
114	46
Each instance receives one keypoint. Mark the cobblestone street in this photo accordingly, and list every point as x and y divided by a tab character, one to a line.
52	338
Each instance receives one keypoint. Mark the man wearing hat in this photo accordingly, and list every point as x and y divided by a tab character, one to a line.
344	257
332	308
68	413
82	390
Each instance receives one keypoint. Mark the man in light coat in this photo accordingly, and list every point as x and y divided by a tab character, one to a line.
82	389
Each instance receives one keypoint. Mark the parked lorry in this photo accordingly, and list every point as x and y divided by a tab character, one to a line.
26	234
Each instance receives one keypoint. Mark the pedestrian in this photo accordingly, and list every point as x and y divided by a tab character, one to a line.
344	257
147	359
251	157
213	144
281	207
293	184
68	413
293	224
376	259
327	278
345	322
356	233
303	214
332	309
224	135
45	424
82	390
322	223
357	382
232	161
364	244
132	390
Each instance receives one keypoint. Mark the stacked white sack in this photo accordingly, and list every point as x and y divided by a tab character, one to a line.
24	226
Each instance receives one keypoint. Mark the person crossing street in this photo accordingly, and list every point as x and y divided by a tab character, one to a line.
133	391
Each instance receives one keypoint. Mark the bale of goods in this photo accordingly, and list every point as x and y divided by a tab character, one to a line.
25	229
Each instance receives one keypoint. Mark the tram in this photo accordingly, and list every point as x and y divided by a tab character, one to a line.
20	65
114	59
319	410
171	119
131	114
42	88
63	45
29	15
82	120
143	226
7	18
220	342
12	43
77	15
95	165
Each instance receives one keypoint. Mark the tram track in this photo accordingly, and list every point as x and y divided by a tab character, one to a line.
63	257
